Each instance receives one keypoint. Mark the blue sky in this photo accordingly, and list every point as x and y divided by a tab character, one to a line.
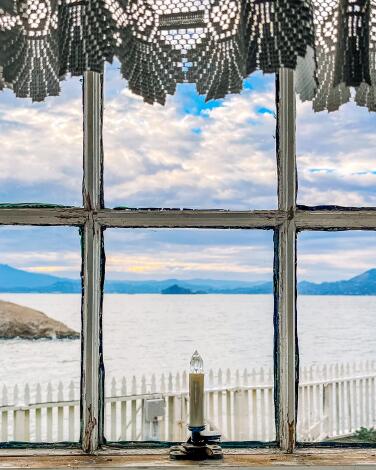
187	154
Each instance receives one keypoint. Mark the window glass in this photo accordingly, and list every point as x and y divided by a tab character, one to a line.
336	330
41	147
168	293
335	157
40	355
189	153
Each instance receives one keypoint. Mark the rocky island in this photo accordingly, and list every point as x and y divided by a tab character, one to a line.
175	289
17	321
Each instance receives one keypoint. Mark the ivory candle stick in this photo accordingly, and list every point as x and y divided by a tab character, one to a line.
196	392
196	400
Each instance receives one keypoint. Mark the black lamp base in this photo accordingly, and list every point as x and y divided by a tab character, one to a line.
194	452
202	445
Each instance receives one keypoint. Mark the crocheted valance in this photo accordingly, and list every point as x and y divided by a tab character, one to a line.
212	43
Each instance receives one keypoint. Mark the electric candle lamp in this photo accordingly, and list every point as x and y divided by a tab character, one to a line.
201	444
196	393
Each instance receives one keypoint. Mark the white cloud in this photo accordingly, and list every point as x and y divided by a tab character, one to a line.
62	262
335	156
187	261
41	149
331	256
223	156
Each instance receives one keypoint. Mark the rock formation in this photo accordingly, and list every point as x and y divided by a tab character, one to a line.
17	321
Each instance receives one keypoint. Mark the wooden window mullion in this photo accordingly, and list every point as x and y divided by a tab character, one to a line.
286	358
92	401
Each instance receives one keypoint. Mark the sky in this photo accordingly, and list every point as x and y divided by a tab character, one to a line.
188	153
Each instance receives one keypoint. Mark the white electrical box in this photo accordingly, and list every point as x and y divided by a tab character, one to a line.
154	408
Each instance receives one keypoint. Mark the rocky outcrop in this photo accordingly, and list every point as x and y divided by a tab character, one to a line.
17	321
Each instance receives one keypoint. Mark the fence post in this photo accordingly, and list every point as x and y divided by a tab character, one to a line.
4	416
19	425
113	410
179	429
22	416
270	402
347	399
134	410
27	402
123	411
237	407
262	404
254	406
60	413
71	413
144	429
171	410
220	402
162	424
361	395
324	378
367	398
312	399
342	398
373	396
18	417
184	405
49	413
328	408
337	385
228	405
38	414
357	408
210	412
244	425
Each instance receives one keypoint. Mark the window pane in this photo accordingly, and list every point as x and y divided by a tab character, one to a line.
189	153
153	323
41	148
336	329
335	157
40	306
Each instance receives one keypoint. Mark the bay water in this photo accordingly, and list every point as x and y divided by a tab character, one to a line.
145	334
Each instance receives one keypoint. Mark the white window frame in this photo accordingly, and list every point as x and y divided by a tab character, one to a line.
286	221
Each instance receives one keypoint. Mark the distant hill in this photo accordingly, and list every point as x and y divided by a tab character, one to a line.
175	289
19	281
11	278
363	284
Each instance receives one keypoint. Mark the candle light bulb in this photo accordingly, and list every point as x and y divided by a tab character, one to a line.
197	364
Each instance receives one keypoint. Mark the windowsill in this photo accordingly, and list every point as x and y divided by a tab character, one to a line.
244	458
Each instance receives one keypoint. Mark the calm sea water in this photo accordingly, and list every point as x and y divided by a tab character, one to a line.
146	334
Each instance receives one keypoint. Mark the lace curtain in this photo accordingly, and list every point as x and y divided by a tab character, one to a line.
212	43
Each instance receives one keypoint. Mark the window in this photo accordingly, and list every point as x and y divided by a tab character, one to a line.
189	153
214	314
336	322
47	137
40	334
333	167
94	219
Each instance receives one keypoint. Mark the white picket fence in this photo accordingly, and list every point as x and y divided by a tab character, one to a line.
334	401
